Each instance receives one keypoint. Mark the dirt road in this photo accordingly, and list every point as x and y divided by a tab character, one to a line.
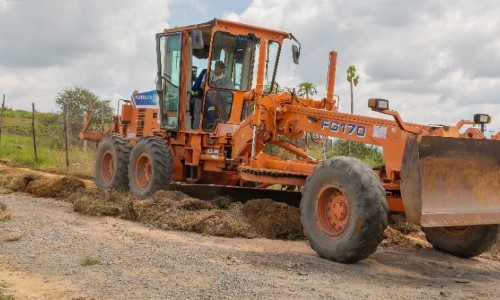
43	243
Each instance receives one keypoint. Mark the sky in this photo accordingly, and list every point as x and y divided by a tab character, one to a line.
437	62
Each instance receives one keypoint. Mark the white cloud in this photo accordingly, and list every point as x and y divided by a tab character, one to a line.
107	46
437	61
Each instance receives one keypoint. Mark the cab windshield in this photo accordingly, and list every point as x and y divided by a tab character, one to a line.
232	61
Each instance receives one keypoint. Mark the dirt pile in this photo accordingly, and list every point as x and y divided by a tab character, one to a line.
273	219
55	187
16	182
102	203
393	237
402	233
175	210
178	211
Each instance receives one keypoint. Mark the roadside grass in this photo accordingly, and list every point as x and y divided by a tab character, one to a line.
13	238
3	296
18	151
6	297
90	261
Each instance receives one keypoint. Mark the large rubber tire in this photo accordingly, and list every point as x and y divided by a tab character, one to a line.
344	210
151	167
111	164
465	242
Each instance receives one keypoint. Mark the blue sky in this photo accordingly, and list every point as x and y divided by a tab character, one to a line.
436	61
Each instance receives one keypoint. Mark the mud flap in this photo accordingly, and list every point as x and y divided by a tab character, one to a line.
451	181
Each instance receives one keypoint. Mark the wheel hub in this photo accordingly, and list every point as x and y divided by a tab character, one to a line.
143	171
107	166
332	211
338	209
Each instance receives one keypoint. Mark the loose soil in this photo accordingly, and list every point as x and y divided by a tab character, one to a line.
173	246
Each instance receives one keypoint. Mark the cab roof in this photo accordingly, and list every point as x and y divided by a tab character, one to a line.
233	27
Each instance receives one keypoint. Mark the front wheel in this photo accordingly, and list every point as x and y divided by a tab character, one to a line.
344	210
111	163
151	167
463	241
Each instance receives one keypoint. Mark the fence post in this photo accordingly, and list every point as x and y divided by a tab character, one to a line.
1	118
66	134
34	131
84	148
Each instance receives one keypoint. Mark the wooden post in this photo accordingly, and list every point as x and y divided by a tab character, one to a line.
66	133
84	141
1	118
34	131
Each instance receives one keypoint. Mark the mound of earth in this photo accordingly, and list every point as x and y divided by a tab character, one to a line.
174	210
274	219
17	182
102	203
54	187
393	237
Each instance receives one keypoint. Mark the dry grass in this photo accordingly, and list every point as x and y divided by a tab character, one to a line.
13	238
274	220
89	261
6	297
4	285
55	187
399	223
5	218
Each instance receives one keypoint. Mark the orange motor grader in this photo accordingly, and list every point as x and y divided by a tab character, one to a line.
209	133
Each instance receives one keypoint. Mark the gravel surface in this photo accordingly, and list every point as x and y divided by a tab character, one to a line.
138	262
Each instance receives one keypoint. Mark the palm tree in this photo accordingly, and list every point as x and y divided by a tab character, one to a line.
353	80
306	89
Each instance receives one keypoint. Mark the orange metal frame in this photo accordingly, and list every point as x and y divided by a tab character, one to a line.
224	156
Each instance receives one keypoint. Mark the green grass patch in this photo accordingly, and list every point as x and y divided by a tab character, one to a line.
6	297
3	206
3	296
90	261
19	152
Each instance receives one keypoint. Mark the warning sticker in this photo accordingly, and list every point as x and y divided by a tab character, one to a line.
379	132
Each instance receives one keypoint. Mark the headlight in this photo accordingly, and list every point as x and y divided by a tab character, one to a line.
378	104
482	118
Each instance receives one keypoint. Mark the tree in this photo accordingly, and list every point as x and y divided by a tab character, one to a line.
277	88
79	99
306	89
353	80
367	153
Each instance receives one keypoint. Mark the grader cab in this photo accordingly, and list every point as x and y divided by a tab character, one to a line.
210	130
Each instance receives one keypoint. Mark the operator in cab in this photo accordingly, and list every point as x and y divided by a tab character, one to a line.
218	78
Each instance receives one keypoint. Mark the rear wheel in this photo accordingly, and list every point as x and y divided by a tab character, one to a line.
464	241
111	163
344	210
151	167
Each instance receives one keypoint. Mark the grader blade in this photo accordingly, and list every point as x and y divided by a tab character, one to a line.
451	181
240	194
